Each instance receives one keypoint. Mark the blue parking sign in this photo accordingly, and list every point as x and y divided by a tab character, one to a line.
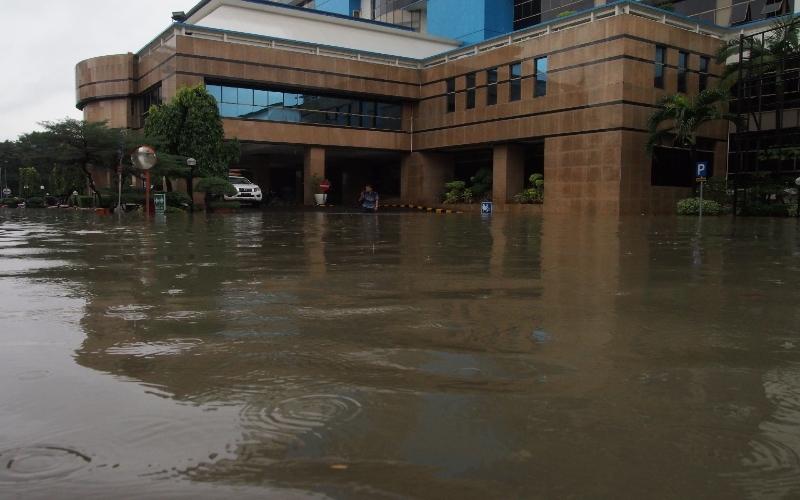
486	207
702	169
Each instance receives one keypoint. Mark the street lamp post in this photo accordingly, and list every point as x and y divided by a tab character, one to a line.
145	158
191	163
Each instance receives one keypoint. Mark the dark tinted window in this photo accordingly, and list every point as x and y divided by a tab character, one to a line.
683	63
491	86
540	87
470	90
451	95
658	78
704	62
515	82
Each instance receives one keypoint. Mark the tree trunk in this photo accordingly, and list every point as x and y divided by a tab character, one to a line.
92	186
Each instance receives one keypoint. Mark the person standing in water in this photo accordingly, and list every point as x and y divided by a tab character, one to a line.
369	199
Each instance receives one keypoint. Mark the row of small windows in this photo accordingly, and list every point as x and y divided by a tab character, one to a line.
683	69
514	85
277	105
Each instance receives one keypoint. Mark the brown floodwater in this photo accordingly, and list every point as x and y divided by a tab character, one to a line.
403	355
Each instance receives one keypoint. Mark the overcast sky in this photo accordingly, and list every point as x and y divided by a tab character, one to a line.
42	40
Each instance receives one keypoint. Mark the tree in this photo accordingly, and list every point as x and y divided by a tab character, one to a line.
190	126
680	117
74	144
28	181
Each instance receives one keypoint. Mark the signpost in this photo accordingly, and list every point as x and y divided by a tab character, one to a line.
6	192
160	203
702	175
486	208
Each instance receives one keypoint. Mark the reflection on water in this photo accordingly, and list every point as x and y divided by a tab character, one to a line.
349	355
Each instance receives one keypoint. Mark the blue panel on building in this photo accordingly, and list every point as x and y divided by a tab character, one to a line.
343	7
470	20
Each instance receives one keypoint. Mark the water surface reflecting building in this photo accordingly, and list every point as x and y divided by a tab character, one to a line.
408	94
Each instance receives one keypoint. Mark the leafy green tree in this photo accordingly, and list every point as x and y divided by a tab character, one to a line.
190	127
680	117
10	162
29	181
66	179
75	144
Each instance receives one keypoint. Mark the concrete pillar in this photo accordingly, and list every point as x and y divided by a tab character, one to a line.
313	166
422	177
508	172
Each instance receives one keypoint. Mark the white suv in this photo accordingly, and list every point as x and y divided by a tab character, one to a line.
246	191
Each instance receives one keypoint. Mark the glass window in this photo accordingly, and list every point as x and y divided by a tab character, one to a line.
230	95
261	98
263	104
470	90
658	78
491	86
683	61
515	82
291	100
451	95
704	62
245	96
215	90
540	86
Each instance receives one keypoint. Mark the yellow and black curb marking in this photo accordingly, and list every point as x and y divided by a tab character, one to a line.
427	209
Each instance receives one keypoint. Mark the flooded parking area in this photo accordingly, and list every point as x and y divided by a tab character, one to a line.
400	355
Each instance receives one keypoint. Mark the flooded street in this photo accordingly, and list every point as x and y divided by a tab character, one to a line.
404	355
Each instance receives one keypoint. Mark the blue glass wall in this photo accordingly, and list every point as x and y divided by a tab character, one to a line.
281	106
470	20
343	7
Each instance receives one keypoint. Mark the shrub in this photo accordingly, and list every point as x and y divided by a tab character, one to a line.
34	202
11	202
178	199
85	201
535	193
216	186
455	191
481	185
691	206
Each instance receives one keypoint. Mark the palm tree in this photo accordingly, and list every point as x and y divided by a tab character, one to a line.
680	117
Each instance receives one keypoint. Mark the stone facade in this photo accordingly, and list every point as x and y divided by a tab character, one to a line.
592	120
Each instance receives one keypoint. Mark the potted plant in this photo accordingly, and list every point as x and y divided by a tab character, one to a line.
321	187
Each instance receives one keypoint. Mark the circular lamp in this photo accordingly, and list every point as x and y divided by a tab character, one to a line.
144	157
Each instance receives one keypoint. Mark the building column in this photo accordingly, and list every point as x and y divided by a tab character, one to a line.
313	166
508	172
422	177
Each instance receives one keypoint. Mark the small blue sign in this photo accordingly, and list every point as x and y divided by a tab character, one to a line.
486	207
702	169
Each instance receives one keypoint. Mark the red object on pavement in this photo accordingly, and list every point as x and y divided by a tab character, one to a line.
325	185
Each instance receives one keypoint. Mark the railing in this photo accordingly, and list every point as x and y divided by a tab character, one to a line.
624	7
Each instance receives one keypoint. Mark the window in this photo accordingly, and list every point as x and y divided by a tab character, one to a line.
491	87
658	78
277	105
470	90
451	95
540	85
683	62
148	98
527	13
515	82
704	61
397	12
